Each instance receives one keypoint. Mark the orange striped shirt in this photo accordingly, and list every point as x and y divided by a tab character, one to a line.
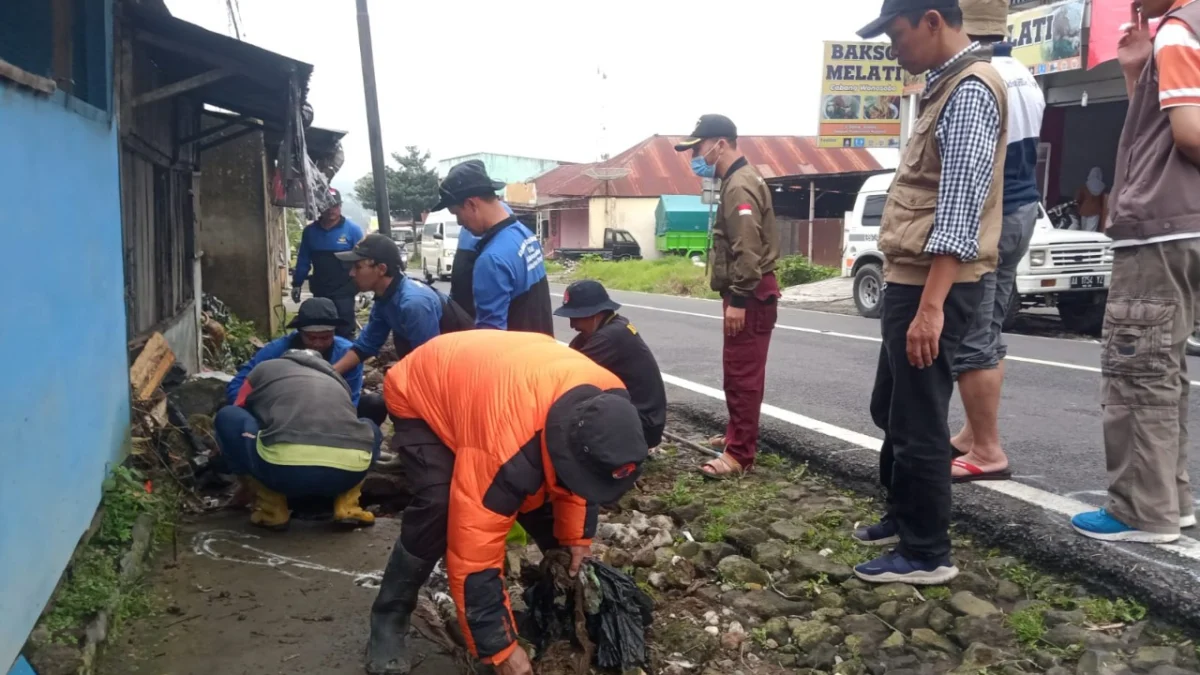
1177	51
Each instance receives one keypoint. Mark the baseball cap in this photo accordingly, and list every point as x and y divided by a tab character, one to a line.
708	126
585	298
894	8
985	18
463	181
317	315
595	442
378	248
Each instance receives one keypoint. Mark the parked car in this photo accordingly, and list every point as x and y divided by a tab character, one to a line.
618	245
1066	269
439	242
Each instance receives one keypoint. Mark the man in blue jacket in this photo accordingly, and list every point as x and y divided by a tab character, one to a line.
320	242
314	326
463	275
509	282
408	309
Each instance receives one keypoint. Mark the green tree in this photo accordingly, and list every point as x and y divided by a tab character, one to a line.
412	188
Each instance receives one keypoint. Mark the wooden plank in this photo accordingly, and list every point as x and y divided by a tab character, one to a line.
27	79
150	367
184	85
63	45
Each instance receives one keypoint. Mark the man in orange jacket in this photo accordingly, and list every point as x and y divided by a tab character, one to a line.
494	428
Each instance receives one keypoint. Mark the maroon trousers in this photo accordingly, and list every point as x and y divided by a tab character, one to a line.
745	363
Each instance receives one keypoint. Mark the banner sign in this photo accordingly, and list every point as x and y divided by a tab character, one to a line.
1049	39
861	85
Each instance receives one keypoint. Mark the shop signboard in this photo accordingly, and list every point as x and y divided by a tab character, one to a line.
861	85
1049	39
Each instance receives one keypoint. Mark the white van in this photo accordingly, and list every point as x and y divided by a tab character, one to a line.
1067	269
439	242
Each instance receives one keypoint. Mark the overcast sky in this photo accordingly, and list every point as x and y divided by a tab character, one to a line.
520	77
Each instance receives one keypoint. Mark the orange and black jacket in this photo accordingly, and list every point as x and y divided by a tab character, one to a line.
486	394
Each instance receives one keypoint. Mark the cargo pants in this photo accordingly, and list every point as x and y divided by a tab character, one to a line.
1152	309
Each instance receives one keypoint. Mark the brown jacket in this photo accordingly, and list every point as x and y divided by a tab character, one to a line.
745	237
1154	191
908	216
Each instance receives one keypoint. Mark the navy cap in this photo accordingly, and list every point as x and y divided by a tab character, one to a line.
894	8
708	126
463	181
585	298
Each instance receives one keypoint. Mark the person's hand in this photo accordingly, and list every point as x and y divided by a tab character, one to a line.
923	335
295	294
735	320
1135	46
578	555
517	663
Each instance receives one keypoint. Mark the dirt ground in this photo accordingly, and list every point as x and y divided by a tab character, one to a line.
240	601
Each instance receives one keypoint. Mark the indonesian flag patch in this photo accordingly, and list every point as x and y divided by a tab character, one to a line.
745	210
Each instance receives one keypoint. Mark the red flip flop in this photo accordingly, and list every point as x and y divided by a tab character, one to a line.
975	473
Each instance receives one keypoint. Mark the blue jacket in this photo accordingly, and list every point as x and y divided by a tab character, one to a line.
330	276
275	349
410	310
509	281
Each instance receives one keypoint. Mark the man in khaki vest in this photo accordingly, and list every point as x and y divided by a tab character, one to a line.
939	233
1154	302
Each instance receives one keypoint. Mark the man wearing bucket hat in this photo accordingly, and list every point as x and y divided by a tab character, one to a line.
315	325
497	427
508	278
320	243
610	340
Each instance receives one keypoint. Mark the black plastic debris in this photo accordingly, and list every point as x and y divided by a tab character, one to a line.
602	611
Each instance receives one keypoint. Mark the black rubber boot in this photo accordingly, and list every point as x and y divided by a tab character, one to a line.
387	650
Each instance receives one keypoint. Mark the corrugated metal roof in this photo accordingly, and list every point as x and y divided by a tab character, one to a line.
653	168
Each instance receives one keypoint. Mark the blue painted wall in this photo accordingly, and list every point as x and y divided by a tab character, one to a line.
64	389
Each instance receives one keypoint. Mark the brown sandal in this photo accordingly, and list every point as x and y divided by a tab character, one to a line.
717	441
722	468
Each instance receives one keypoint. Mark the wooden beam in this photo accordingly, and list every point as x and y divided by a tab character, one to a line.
176	88
27	79
228	137
63	61
216	129
150	367
215	60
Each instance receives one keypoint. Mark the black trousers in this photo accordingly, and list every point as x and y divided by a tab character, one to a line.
345	310
428	467
910	405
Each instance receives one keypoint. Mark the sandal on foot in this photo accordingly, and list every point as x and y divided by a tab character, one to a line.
717	441
975	473
722	468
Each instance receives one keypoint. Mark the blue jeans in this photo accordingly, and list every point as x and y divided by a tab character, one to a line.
237	435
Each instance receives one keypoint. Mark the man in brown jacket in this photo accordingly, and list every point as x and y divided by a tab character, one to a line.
939	234
1155	296
745	247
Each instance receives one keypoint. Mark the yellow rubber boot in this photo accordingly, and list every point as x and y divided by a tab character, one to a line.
346	510
270	508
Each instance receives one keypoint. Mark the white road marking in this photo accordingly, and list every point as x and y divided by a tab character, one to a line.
203	544
1063	505
870	338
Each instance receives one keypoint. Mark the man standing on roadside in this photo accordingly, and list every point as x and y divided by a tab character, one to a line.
331	234
939	234
1155	294
979	365
745	247
463	275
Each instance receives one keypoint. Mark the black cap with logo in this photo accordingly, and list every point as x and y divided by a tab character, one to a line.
595	442
585	298
708	126
317	315
463	181
375	247
894	8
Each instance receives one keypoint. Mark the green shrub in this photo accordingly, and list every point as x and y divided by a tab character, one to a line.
794	270
671	275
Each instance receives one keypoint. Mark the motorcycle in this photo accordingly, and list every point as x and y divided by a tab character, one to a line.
1065	216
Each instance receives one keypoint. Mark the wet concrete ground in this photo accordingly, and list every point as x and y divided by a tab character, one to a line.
237	600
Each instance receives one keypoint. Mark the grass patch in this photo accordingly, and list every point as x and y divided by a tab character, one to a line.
1102	611
683	492
93	581
670	276
936	593
554	267
769	460
794	270
1029	625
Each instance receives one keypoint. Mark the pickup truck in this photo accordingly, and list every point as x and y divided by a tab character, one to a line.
1067	270
618	245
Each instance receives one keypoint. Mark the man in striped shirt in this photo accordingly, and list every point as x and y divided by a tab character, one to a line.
1154	301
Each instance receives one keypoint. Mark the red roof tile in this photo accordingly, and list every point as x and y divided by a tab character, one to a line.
653	168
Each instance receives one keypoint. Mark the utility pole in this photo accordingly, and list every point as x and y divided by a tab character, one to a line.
378	168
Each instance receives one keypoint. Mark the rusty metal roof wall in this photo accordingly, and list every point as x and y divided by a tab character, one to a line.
655	168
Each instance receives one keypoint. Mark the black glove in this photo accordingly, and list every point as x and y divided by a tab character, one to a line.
295	294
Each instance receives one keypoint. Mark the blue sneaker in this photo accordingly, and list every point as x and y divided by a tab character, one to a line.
1103	526
895	567
883	533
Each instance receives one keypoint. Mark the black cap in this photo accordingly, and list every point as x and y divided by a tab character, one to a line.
376	247
585	298
894	8
595	442
317	314
708	126
465	180
334	199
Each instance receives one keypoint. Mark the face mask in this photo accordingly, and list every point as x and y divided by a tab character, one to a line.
701	167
